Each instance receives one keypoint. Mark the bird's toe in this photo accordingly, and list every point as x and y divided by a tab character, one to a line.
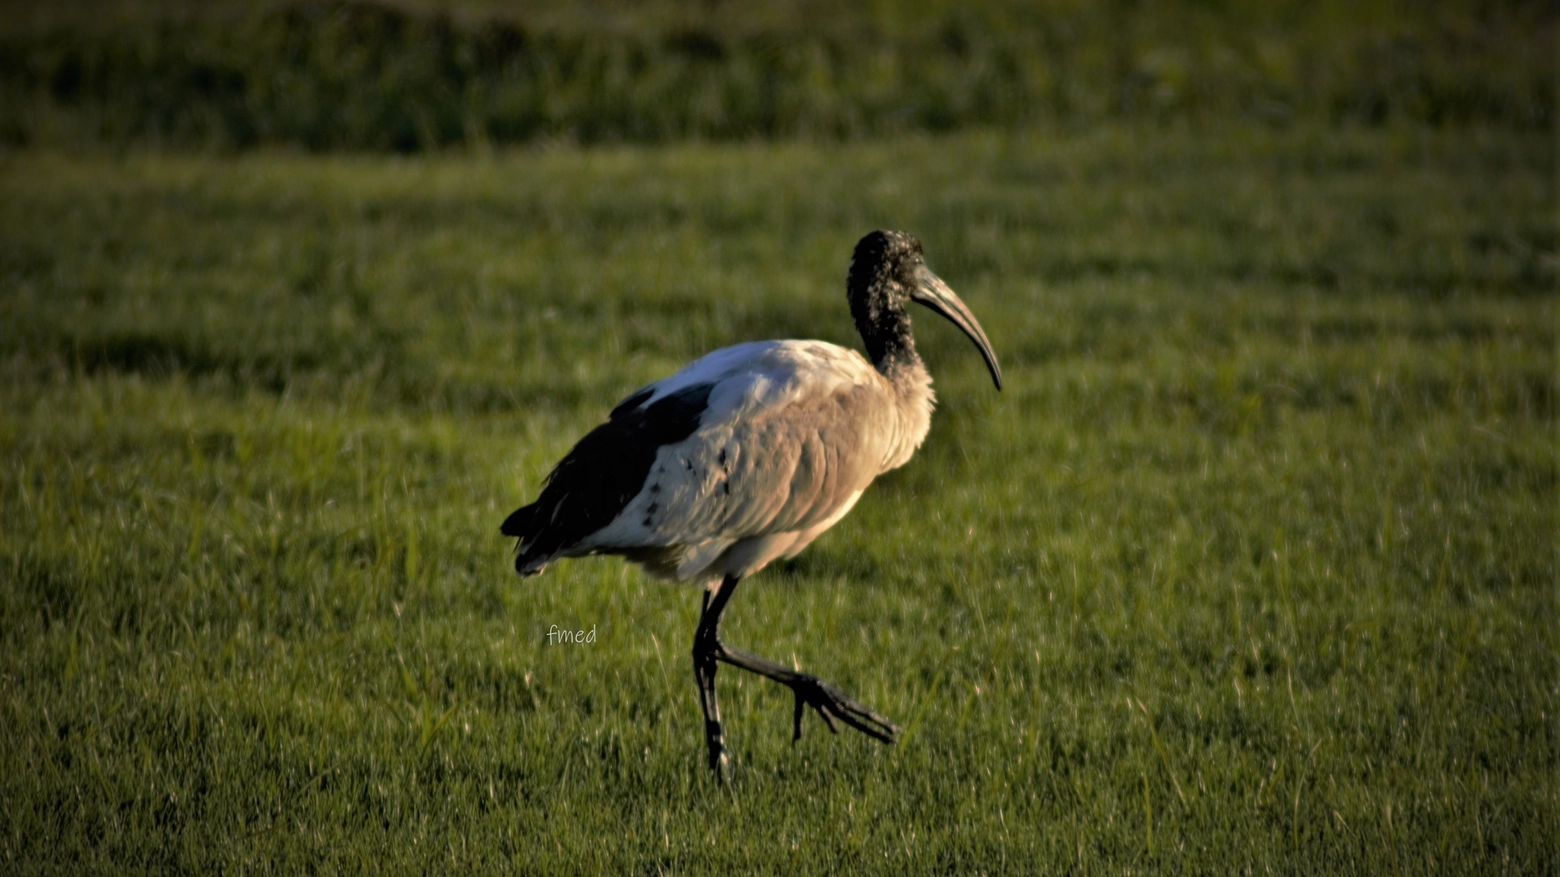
830	703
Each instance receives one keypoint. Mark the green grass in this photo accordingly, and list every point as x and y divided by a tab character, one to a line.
1251	568
418	75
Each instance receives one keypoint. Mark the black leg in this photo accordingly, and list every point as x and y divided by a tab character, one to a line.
706	645
828	701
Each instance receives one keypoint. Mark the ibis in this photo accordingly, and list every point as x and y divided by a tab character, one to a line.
747	455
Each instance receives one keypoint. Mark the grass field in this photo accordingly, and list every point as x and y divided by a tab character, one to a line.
419	75
1250	569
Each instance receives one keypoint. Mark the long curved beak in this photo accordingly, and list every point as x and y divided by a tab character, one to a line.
931	291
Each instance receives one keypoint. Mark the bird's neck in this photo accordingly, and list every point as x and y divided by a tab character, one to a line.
885	331
890	345
884	327
912	387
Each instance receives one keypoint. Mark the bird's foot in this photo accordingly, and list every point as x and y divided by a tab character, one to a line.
830	703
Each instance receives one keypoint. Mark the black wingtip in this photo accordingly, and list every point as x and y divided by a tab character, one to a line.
529	566
518	523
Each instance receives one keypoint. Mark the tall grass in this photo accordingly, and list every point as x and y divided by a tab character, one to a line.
369	75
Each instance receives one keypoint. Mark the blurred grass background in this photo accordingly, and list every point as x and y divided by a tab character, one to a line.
1251	568
415	76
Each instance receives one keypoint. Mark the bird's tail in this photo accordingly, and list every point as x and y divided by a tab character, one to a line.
532	556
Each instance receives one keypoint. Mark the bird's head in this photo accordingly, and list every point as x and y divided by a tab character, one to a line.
889	269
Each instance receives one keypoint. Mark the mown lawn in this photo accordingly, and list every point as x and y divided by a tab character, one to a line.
1250	568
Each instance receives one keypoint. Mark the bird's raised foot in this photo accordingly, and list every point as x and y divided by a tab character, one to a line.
830	703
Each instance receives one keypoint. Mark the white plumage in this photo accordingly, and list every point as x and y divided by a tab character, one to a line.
793	432
747	455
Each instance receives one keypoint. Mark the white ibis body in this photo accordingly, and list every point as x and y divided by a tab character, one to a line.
747	455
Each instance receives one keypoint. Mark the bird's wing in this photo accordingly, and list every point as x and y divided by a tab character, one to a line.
600	475
790	434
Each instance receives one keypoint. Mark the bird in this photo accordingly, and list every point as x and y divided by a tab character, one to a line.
745	456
